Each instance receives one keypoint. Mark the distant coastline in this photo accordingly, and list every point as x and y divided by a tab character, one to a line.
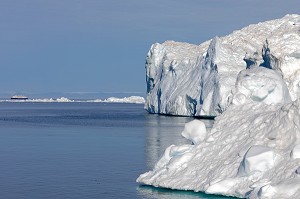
129	100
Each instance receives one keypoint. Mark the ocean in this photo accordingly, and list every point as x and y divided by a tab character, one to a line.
84	150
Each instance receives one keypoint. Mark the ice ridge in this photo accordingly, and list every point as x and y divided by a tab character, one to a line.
198	80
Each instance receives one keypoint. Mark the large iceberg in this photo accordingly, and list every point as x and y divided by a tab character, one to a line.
198	80
253	148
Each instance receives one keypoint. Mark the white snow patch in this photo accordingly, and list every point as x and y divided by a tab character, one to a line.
194	131
257	159
296	152
285	189
223	187
261	84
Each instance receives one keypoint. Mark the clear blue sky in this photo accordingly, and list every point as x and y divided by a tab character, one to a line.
100	45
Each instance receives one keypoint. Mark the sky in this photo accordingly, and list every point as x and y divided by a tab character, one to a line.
101	45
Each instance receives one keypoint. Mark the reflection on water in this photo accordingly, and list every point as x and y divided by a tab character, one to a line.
163	131
83	150
150	192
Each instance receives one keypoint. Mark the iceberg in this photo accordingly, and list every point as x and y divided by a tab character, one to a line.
131	99
64	99
198	80
253	149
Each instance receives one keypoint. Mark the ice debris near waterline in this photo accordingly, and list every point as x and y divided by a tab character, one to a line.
187	79
131	99
253	148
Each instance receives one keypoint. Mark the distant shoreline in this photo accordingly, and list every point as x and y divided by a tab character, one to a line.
128	100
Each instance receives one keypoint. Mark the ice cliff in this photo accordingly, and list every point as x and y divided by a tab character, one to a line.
187	79
251	77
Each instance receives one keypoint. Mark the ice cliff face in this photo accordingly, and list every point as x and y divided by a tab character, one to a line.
186	79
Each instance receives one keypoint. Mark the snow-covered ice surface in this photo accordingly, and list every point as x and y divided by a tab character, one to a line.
187	79
194	131
131	99
253	148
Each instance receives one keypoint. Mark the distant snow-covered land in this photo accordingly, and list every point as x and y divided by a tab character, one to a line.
131	99
250	79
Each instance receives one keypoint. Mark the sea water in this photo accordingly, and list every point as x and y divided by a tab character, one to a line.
83	150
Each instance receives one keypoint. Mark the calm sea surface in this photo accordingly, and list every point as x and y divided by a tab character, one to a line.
83	150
